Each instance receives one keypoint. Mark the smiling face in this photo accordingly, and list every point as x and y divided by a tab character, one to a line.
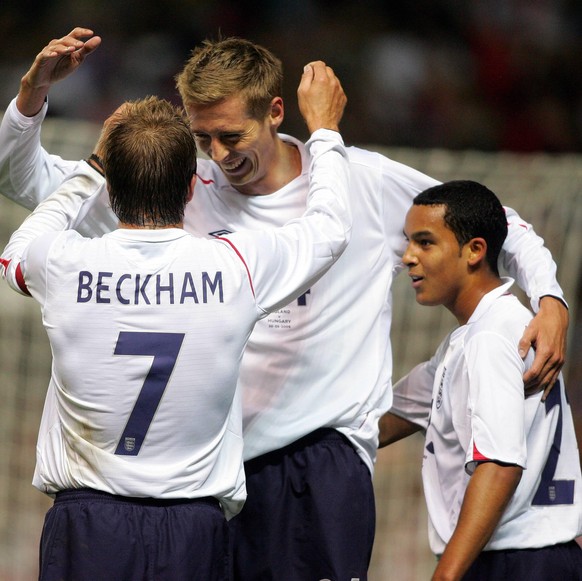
436	263
244	148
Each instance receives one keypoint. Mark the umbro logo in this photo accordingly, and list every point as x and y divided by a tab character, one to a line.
439	399
218	233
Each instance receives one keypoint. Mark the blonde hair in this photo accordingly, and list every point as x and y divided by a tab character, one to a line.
220	69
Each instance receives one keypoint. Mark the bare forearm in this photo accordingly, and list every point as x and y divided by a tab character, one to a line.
394	428
30	99
488	493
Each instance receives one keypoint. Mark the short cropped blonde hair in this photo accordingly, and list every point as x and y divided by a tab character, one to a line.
220	69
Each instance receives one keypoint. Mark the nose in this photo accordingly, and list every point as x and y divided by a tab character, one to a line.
217	151
409	257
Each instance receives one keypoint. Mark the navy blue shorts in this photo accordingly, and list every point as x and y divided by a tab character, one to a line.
561	562
95	536
309	514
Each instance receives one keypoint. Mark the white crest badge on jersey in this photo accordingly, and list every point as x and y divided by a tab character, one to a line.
129	444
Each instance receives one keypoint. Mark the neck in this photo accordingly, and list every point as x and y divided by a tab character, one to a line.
288	166
285	166
471	296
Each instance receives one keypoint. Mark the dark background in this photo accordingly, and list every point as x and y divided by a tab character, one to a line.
479	74
488	75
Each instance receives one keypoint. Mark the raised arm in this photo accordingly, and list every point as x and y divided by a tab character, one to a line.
57	60
527	260
321	98
28	173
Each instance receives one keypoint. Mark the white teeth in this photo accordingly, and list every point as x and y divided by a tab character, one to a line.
234	165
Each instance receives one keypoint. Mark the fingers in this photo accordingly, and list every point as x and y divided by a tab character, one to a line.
71	43
58	59
542	375
527	341
309	72
306	79
321	97
318	71
546	386
91	44
543	372
80	32
548	389
546	333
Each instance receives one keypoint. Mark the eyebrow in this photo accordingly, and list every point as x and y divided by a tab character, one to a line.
219	134
421	233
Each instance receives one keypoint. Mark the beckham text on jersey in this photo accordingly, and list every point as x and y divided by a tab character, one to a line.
149	289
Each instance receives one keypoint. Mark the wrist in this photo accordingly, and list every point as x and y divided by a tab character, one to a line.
30	99
313	127
558	301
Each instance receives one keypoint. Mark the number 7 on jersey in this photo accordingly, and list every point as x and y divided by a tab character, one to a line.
164	347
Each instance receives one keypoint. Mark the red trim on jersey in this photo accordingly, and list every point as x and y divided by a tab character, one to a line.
20	280
17	275
522	224
205	182
243	260
477	456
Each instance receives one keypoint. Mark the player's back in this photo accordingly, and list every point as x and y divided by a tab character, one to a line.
147	329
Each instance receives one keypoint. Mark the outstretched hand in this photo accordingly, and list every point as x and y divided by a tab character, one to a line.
321	97
57	60
547	334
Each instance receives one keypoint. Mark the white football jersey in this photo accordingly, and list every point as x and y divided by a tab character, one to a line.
469	399
324	360
147	330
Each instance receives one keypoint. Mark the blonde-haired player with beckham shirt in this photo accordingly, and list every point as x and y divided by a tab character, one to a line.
501	473
316	375
141	434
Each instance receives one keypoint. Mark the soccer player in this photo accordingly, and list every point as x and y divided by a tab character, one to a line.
501	473
316	375
141	436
